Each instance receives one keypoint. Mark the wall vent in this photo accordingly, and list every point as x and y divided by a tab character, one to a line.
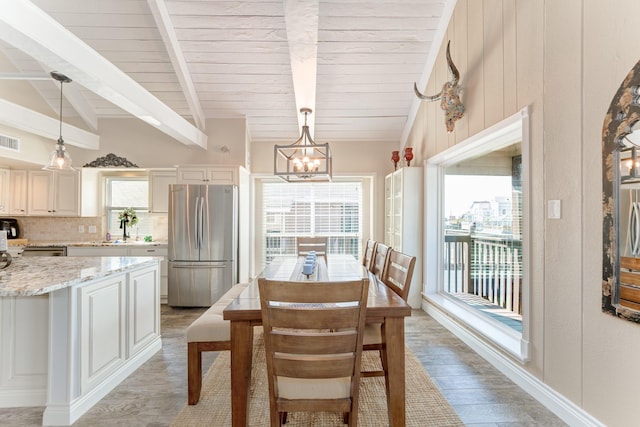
9	143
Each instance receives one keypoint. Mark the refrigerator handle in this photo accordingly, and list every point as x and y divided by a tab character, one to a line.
196	222
201	225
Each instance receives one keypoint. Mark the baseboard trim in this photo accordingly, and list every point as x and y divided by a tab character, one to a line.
65	414
565	409
23	398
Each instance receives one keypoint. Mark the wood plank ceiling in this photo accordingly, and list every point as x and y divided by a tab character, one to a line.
352	61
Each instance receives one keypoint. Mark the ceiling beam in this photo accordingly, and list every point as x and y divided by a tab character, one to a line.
25	76
168	33
28	28
301	20
19	117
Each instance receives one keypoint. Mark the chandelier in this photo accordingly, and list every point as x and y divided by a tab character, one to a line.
60	159
304	160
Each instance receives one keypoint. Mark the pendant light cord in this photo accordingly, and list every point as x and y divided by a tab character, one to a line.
61	83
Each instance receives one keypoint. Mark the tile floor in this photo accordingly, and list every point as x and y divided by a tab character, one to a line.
154	394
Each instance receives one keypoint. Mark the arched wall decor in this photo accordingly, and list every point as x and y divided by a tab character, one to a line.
111	161
619	122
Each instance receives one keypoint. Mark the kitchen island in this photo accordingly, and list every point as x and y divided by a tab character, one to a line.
99	248
72	328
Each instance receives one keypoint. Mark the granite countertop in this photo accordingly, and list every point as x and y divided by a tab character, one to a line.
42	275
57	243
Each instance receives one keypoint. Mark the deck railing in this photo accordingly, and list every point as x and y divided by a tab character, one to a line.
486	266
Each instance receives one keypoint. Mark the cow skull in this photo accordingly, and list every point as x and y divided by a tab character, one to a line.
449	95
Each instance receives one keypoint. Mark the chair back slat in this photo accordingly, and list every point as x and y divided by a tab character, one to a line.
313	318
330	343
308	244
334	292
334	367
399	273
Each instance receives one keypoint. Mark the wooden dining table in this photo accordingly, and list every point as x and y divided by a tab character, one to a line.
383	306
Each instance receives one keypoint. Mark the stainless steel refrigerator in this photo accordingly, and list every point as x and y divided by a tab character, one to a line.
203	246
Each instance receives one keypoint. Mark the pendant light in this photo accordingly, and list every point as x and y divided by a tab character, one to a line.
60	159
304	160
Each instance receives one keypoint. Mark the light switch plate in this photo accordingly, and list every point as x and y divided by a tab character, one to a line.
554	209
92	229
81	229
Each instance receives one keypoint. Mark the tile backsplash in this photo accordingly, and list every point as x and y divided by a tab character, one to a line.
67	228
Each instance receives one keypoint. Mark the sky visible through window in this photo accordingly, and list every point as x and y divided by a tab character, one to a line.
462	190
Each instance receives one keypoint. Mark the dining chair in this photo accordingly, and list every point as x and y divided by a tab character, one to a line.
308	244
380	259
397	276
369	251
310	367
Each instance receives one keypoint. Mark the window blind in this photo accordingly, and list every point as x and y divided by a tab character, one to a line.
128	193
312	209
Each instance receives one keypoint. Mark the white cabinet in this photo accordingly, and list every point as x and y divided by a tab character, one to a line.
67	349
219	175
56	194
120	318
18	195
102	330
4	191
144	310
164	268
404	220
129	250
24	334
159	181
91	192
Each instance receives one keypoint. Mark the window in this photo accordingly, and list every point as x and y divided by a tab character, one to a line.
482	255
128	192
311	209
477	227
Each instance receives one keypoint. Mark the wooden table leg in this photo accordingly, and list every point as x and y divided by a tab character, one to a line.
393	336
241	355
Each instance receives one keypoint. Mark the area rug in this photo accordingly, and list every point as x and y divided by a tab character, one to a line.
425	405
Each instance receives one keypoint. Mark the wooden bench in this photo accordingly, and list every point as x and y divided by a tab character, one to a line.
209	332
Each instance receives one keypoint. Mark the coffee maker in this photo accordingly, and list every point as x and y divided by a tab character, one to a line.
10	225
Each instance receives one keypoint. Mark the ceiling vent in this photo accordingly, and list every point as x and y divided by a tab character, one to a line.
9	143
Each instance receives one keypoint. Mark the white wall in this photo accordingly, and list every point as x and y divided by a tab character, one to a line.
147	147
